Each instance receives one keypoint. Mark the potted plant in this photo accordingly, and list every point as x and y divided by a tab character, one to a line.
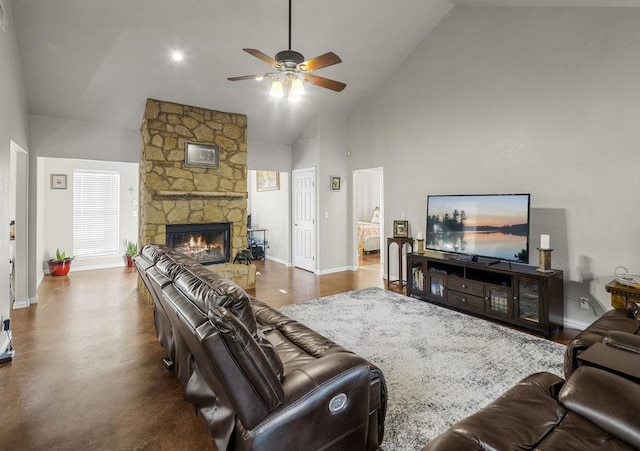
60	265
131	251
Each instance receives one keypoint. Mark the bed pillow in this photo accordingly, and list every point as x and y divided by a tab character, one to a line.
375	216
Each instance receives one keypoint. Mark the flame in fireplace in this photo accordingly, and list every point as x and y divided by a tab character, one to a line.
198	248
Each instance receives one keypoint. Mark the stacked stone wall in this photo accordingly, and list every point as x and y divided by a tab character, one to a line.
172	193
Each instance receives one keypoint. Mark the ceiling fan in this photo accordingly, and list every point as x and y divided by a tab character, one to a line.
292	69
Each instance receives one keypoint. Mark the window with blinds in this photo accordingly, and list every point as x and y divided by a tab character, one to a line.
96	213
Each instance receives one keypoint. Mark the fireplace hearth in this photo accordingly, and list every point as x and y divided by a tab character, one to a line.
206	243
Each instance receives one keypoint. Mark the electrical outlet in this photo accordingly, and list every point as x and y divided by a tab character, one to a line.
584	303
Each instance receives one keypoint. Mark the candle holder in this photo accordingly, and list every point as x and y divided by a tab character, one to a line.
420	246
544	258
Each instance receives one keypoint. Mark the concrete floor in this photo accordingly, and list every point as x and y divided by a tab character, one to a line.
88	370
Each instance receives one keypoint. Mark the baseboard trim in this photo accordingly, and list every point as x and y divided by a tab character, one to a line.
278	260
93	267
24	303
573	324
333	270
21	304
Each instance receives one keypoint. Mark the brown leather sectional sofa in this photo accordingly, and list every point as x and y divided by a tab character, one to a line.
593	410
260	380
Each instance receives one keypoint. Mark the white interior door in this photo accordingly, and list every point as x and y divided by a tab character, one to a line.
304	219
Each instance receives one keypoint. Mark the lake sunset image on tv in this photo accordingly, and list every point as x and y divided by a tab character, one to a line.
486	225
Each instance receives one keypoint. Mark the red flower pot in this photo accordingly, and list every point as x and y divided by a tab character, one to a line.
130	263
59	267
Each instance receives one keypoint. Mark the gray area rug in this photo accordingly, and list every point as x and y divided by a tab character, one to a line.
440	365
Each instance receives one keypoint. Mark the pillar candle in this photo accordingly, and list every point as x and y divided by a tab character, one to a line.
420	236
544	241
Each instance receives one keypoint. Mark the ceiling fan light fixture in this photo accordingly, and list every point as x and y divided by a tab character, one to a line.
277	88
297	87
296	90
292	69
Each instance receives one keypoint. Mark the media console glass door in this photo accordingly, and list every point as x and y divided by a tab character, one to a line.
437	286
499	301
527	300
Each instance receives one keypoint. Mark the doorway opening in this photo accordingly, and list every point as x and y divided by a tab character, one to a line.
368	218
18	199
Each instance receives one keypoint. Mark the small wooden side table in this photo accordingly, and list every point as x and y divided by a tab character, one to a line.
622	294
401	243
615	360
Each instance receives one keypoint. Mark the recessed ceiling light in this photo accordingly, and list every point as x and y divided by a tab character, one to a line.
177	56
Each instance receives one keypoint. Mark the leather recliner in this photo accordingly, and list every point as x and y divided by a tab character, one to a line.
259	379
593	409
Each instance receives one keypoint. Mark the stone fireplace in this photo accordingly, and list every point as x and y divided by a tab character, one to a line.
172	193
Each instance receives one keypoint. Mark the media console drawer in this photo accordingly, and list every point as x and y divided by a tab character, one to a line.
466	301
465	286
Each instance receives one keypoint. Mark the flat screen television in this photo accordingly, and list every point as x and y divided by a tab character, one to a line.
494	226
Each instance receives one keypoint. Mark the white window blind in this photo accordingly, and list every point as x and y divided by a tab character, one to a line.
96	212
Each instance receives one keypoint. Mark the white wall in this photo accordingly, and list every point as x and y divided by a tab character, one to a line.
335	224
56	213
539	100
268	157
323	145
13	126
271	210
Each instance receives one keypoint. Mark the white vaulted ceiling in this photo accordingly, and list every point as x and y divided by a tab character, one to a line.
99	60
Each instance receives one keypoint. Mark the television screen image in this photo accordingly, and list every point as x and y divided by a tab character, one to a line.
485	225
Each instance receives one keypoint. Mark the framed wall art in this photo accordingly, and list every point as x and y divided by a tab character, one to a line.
202	155
335	183
267	180
400	229
58	181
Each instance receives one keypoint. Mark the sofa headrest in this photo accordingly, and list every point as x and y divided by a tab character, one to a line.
207	295
605	399
168	267
151	253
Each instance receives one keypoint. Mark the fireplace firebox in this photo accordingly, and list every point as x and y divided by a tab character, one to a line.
206	243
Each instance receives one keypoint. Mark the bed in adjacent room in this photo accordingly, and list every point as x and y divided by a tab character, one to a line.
369	233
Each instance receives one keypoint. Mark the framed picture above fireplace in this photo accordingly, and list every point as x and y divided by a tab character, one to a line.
202	155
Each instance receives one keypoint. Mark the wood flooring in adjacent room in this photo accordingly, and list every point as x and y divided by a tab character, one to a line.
88	370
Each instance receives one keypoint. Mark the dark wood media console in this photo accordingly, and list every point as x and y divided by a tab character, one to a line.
512	293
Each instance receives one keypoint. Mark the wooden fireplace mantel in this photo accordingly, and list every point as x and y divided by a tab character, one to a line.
198	195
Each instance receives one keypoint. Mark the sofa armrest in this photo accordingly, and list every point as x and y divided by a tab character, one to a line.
311	393
606	400
613	320
623	340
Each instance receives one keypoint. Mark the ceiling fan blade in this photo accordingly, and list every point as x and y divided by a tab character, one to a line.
325	82
261	56
328	59
246	77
